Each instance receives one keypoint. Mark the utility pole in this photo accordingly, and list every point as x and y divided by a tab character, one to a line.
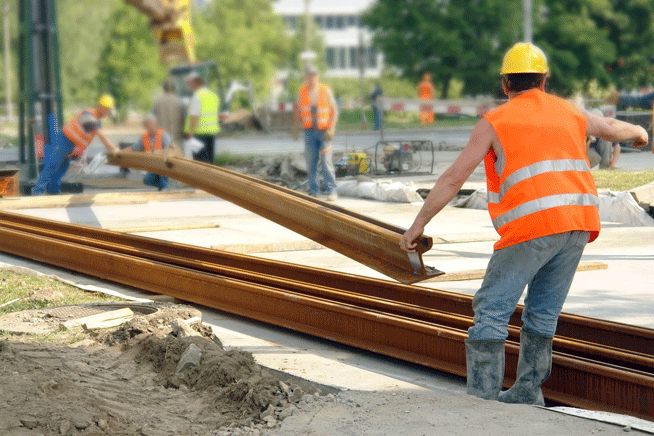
9	106
527	20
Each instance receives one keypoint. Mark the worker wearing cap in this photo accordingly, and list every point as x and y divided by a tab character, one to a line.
77	135
154	140
317	110
543	203
426	92
202	117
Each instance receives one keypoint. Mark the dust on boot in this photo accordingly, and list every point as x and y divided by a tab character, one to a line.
534	367
485	367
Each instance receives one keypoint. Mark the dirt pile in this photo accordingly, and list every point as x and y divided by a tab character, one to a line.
155	375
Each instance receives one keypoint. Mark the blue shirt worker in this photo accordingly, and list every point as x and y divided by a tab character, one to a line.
77	135
154	140
317	109
543	202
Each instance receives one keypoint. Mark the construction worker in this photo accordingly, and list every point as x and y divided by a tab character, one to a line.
154	140
169	111
317	109
77	135
202	117
426	92
543	202
601	152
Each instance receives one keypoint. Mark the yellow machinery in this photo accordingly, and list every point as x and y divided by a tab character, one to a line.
171	22
357	163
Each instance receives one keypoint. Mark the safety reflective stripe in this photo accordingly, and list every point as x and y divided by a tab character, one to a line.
75	132
493	197
544	203
542	167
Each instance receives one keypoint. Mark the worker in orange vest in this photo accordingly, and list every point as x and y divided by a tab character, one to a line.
316	109
543	203
77	135
426	92
154	140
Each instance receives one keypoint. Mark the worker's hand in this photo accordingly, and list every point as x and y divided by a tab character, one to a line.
187	136
642	140
409	240
329	133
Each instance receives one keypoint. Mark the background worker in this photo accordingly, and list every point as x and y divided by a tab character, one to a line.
202	117
154	140
426	91
543	202
77	135
375	98
317	109
169	110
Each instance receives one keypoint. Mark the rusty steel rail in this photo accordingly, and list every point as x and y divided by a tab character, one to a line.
210	261
371	242
578	335
576	381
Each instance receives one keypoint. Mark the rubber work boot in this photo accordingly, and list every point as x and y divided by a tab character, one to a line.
485	367
534	366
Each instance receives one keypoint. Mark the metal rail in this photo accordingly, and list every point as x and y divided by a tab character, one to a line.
369	241
401	330
576	334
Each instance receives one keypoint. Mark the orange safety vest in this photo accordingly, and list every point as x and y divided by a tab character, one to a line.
425	90
157	141
75	132
324	110
541	183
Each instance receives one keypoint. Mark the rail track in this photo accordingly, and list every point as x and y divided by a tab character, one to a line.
596	364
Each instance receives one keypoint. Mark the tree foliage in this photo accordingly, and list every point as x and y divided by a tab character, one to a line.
586	41
245	38
130	68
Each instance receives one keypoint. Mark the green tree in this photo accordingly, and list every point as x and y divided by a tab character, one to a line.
577	48
245	38
130	67
463	40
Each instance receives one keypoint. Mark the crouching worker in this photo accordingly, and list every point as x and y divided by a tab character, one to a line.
543	203
154	140
77	135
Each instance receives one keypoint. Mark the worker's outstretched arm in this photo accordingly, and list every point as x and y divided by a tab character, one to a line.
111	148
449	183
192	124
614	130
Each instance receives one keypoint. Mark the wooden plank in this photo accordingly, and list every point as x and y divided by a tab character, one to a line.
165	228
477	274
120	314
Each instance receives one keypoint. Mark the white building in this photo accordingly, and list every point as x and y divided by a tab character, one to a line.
343	35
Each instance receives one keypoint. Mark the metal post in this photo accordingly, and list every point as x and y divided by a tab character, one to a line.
307	29
527	20
9	105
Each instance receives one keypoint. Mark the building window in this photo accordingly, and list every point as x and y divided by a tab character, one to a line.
352	20
341	58
372	57
329	22
339	22
318	20
354	57
330	57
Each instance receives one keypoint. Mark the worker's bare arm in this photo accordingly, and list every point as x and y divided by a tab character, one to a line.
614	130
192	124
111	148
449	183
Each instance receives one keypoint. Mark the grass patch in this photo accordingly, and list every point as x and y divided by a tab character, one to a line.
35	292
8	141
350	119
234	160
618	180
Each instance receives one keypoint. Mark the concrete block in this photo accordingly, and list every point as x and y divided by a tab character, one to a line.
190	358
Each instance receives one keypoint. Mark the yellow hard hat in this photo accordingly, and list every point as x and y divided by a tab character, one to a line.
107	101
524	57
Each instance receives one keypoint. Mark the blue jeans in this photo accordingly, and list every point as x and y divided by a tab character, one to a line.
315	151
156	180
55	165
546	265
378	117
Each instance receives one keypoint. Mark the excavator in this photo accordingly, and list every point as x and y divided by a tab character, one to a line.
170	20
